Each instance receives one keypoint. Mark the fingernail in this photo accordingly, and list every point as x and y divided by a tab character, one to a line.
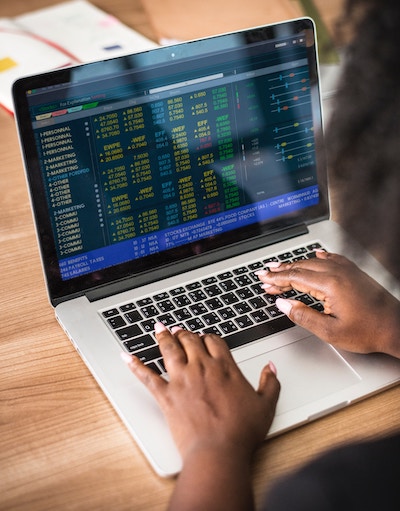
266	286
283	305
273	264
272	366
159	327
126	357
260	273
175	329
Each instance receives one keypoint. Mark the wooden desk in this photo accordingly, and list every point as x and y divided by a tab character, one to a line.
61	444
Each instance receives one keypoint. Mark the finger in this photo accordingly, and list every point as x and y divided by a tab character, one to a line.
269	386
297	277
277	267
171	349
216	346
316	322
192	343
144	374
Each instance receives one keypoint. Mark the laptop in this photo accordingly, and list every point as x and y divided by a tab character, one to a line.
159	182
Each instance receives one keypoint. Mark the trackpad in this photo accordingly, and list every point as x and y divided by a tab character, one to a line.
308	370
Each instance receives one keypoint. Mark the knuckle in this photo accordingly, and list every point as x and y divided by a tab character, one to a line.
294	272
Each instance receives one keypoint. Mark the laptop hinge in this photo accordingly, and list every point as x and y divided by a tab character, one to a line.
193	263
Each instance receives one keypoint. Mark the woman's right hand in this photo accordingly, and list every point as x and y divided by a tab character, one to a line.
359	315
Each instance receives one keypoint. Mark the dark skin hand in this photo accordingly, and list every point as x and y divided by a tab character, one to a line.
360	316
216	417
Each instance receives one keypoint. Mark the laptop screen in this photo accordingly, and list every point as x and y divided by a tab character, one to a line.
147	159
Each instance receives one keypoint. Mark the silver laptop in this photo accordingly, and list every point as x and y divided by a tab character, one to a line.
160	182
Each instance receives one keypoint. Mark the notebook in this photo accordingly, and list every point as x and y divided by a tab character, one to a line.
162	176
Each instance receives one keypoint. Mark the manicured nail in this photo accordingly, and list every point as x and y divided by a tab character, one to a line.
126	357
175	329
272	366
266	286
283	305
159	327
260	273
273	264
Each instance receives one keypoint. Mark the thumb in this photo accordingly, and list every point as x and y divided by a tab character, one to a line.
306	317
269	386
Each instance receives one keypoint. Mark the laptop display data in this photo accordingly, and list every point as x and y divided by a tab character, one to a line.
146	160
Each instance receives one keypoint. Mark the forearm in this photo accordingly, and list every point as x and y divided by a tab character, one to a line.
213	480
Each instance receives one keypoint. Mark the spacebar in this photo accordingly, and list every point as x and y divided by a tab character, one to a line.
257	332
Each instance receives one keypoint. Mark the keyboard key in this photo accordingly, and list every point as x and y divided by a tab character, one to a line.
298	251
149	355
259	316
313	246
139	343
228	285
241	270
255	266
193	285
285	256
274	312
134	316
226	313
110	312
148	326
182	314
127	307
195	324
228	327
212	330
256	332
229	298
144	301
149	312
299	258
182	300
225	275
154	367
116	322
257	302
243	280
166	306
197	295
289	294
270	260
177	291
305	299
257	289
214	303
128	332
243	321
211	318
166	319
242	308
213	290
209	280
198	308
160	296
245	293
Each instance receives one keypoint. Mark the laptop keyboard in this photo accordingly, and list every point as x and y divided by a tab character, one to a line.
231	304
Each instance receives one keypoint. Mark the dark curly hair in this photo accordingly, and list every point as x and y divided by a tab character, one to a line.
363	136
